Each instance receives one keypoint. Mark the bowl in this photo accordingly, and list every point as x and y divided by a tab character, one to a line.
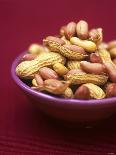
72	110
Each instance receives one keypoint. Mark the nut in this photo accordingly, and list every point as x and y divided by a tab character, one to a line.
74	71
110	66
103	45
113	52
70	30
65	40
55	86
27	69
34	83
114	61
68	93
63	30
39	80
82	29
37	49
28	57
111	90
48	73
75	48
95	58
112	44
95	91
81	78
60	69
55	39
87	45
70	54
82	93
100	31
73	64
94	35
111	69
93	68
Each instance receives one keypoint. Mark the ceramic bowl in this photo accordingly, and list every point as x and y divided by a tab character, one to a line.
72	110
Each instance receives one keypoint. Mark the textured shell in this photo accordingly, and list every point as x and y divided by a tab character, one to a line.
79	78
105	56
95	91
68	93
54	46
27	69
73	64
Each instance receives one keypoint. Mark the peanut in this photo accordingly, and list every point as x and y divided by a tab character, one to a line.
28	57
74	71
55	86
63	30
65	40
112	44
81	78
111	69
103	45
68	93
113	52
75	48
73	64
47	73
34	83
95	58
39	80
94	35
100	31
93	68
37	49
114	61
110	66
70	54
55	39
82	29
111	90
82	93
95	91
70	29
60	69
27	69
87	45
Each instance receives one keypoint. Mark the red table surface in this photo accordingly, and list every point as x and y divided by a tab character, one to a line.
23	129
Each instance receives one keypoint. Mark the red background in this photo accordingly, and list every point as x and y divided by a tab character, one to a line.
23	129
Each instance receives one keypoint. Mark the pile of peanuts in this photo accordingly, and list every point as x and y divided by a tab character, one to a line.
75	64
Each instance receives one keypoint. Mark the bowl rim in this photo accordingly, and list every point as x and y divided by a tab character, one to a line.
58	101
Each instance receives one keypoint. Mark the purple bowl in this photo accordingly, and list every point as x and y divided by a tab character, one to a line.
71	110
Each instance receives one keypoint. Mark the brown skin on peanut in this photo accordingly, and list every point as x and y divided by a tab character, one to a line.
94	57
48	73
111	90
39	79
55	39
70	30
82	29
93	68
75	48
82	93
28	57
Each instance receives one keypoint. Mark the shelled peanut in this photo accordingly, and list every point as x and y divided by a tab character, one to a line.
78	64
